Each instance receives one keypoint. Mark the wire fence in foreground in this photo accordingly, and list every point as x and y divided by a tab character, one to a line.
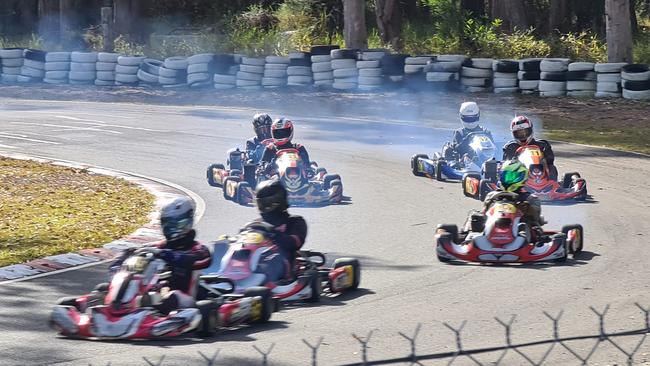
500	350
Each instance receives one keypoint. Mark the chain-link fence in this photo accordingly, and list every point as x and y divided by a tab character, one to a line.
499	351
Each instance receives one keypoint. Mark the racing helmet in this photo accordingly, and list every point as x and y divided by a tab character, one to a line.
271	196
282	131
262	125
469	114
522	129
177	218
513	175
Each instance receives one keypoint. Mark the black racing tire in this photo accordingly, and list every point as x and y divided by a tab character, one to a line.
451	229
530	65
414	159
583	196
553	76
209	318
490	170
636	85
356	270
268	303
35	55
225	185
316	287
483	189
338	198
574	249
322	50
329	178
528	75
567	179
439	164
508	66
210	175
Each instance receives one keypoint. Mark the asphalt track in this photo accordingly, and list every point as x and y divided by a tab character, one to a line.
387	223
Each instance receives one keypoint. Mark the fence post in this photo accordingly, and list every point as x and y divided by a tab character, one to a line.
107	25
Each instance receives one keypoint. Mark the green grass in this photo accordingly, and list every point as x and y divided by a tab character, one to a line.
627	139
49	210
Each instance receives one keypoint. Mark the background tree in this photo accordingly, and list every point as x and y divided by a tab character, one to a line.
354	24
619	31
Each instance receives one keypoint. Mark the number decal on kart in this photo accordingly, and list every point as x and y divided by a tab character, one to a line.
483	139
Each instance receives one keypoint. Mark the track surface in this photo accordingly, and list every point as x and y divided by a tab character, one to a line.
388	224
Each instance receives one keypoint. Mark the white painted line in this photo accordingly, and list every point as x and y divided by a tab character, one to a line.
8	147
12	134
94	122
65	127
3	135
70	112
81	119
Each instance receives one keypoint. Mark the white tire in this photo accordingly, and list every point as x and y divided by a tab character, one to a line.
9	79
477	82
147	77
176	63
299	71
26	79
33	73
581	66
371	72
277	60
344	63
127	70
451	58
12	53
270	81
275	67
244	83
82	66
413	69
482	63
55	81
243	75
636	95
554	65
202	58
552	86
321	59
323	83
504	75
299	80
199	78
446	66
57	57
371	56
104	82
34	64
275	74
609	78
170	73
610	87
126	78
370	80
56	75
552	94
608	95
297	55
224	86
439	76
505	90
197	68
344	86
504	83
106	75
367	64
108	57
163	80
252	69
83	75
225	79
352	79
83	57
345	73
476	73
321	67
201	84
580	85
419	60
528	84
105	66
12	62
636	76
130	60
609	67
11	70
319	76
253	61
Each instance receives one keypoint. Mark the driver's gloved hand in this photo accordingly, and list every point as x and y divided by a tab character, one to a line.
169	256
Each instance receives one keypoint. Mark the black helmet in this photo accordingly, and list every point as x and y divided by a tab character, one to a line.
177	218
271	196
262	125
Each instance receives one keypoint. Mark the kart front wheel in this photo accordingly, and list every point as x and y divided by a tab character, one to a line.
327	181
316	287
209	318
439	165
451	229
414	164
356	270
567	180
576	239
267	303
210	174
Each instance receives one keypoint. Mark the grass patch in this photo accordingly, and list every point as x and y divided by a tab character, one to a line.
637	139
49	210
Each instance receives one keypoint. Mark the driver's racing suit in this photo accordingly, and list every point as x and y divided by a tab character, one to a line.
254	149
272	149
460	143
528	203
510	152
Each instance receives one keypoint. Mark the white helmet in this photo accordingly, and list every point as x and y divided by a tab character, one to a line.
469	115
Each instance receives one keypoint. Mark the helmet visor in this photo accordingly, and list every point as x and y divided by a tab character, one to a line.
281	133
263	131
470	119
522	135
173	227
267	204
510	177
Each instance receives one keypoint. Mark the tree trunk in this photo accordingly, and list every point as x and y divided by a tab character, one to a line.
126	13
633	20
48	24
66	11
559	16
28	14
354	24
511	12
389	22
619	31
476	7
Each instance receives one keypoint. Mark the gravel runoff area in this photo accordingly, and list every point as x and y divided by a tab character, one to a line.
616	123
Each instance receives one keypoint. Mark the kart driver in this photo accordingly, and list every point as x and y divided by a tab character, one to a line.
469	114
522	132
282	133
512	177
262	126
185	256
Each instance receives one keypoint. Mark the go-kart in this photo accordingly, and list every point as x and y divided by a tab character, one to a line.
305	185
572	186
126	307
500	236
242	165
250	258
439	168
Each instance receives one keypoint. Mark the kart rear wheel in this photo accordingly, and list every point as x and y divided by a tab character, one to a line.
338	197
567	180
268	303
356	270
439	165
209	318
328	180
414	164
577	246
210	174
316	287
490	171
226	183
451	229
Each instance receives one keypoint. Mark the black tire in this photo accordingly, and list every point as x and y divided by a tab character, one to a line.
151	66
414	159
483	189
583	196
225	186
329	178
574	248
490	171
567	179
451	229
356	269
529	65
300	62
578	75
240	189
322	50
507	66
316	287
268	303
439	165
68	301
209	318
466	177
234	173
529	75
35	55
563	258
554	76
333	184
102	287
444	237
636	85
349	53
224	59
210	175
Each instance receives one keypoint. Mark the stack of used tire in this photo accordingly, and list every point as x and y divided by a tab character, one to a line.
201	70
33	69
476	75
106	64
444	71
505	77
57	67
321	65
581	80
369	66
83	68
126	71
392	67
636	81
414	70
299	69
149	72
608	79
553	77
529	75
275	71
173	72
251	72
225	68
344	68
12	61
